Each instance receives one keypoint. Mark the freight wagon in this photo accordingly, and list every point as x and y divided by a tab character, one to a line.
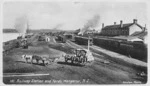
83	40
69	37
61	38
106	42
133	49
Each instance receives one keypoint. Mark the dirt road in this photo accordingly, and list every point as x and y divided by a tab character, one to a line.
59	72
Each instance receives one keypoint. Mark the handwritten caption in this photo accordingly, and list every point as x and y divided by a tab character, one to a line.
53	81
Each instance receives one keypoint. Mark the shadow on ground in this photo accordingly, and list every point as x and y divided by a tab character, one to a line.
71	64
40	64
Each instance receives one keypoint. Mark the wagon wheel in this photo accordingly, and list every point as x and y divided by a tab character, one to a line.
81	60
78	60
85	59
66	60
72	59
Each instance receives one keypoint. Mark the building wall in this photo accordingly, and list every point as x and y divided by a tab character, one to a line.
47	39
134	28
115	32
124	31
146	39
121	31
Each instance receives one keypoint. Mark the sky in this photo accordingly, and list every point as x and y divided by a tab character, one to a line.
72	15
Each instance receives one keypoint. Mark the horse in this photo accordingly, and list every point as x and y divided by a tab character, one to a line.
35	57
27	57
38	58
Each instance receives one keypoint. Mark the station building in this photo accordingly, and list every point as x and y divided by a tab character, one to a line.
121	29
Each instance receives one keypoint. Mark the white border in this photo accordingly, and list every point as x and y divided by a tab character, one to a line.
1	26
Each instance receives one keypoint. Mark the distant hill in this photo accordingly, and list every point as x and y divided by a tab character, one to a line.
43	30
6	30
50	30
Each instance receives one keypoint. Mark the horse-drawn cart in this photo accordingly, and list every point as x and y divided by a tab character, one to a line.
78	58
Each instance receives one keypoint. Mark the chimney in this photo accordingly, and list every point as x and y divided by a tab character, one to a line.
102	25
114	23
135	21
121	23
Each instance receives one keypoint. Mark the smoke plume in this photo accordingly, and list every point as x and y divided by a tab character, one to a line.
91	23
21	24
57	27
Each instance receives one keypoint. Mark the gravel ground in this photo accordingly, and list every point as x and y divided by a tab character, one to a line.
59	72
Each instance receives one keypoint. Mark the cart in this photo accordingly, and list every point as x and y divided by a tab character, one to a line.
78	58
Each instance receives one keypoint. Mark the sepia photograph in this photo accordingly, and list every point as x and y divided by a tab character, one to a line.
74	42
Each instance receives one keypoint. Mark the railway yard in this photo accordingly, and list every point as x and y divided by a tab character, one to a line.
107	68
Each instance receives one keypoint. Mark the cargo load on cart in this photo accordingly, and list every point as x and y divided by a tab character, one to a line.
81	56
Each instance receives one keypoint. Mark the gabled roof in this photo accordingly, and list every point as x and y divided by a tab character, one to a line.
118	26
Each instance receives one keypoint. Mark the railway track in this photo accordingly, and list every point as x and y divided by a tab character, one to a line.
99	72
110	53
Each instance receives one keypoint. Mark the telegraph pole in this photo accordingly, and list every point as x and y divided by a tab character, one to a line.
89	36
88	43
